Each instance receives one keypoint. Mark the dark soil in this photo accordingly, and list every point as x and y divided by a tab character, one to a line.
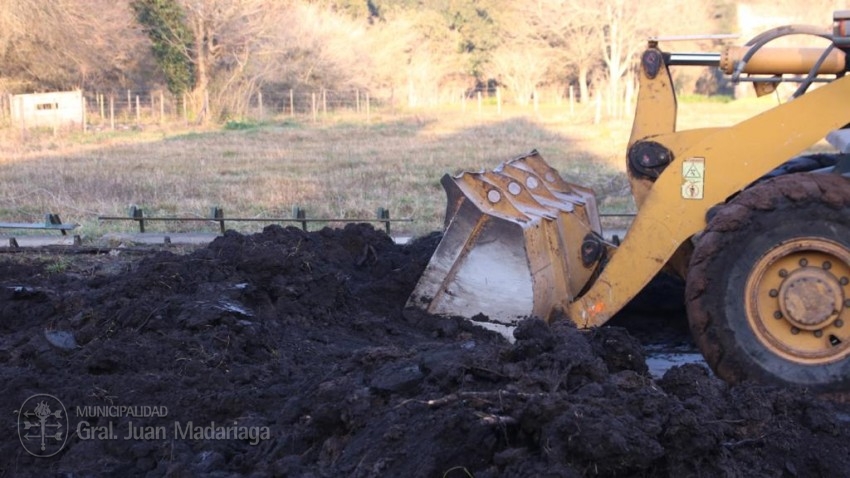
302	335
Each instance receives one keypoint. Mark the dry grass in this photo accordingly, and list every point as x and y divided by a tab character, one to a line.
341	167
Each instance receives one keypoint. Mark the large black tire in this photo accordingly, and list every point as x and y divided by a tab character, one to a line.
767	290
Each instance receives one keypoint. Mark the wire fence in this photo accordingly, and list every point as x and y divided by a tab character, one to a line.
129	108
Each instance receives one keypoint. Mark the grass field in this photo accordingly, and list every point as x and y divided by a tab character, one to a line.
339	167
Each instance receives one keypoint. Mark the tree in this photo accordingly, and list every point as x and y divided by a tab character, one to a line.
63	44
222	40
623	26
165	24
523	57
571	35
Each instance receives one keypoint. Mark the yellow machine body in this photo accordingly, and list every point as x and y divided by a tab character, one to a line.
520	241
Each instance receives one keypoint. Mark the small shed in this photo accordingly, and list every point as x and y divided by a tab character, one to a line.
56	109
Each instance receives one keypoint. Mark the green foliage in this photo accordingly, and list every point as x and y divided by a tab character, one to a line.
237	125
165	24
478	30
58	266
472	19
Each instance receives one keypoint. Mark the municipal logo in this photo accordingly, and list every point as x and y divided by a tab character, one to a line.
43	425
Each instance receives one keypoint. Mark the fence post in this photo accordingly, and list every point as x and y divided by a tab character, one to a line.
85	108
291	103
300	214
139	215
111	112
368	109
22	115
324	102
384	216
357	95
260	103
313	97
161	107
572	100
138	109
218	214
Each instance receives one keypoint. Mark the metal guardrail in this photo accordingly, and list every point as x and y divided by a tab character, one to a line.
217	215
51	222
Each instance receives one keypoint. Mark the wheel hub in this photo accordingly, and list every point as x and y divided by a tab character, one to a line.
798	300
809	298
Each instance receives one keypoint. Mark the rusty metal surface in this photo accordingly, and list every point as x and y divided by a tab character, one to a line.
512	246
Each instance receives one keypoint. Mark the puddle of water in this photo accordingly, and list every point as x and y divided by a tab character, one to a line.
660	362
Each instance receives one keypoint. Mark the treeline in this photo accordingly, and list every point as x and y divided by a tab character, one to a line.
217	54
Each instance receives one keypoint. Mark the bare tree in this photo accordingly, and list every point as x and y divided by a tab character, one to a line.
570	33
416	52
524	55
622	27
228	37
321	48
70	44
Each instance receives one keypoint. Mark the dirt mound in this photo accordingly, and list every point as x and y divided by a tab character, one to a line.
286	353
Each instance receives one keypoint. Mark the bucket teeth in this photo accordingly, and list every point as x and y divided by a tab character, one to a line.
511	247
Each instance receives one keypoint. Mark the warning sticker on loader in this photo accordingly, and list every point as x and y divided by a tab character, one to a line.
693	178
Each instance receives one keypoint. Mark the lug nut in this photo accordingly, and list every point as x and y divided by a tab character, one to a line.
844	281
795	331
827	265
774	293
804	262
783	273
847	303
838	323
818	333
777	315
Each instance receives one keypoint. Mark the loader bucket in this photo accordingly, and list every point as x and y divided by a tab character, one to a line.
519	241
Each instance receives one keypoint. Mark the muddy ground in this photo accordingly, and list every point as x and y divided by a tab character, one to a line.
297	342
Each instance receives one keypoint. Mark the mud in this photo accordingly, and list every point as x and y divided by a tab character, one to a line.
302	335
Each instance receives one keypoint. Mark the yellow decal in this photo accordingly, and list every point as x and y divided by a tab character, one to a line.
693	178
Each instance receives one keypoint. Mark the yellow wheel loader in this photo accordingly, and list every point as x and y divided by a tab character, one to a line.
758	228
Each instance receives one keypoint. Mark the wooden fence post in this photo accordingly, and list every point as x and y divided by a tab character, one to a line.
291	103
85	107
260	103
161	107
111	112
